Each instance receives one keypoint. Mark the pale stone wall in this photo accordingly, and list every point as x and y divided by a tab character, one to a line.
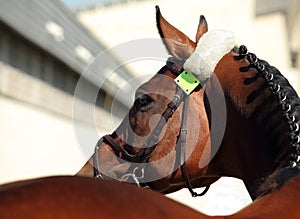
37	128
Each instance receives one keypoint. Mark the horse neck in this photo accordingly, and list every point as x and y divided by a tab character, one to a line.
261	129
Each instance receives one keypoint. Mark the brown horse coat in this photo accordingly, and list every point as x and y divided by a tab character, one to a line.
68	197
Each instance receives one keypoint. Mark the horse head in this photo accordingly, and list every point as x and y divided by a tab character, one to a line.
229	127
151	101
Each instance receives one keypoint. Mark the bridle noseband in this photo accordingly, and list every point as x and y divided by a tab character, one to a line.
183	89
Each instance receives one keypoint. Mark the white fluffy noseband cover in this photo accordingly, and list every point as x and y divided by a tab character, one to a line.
211	48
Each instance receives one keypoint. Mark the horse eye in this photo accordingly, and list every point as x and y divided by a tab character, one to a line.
143	100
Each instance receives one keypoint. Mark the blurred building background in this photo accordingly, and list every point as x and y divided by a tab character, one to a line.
45	46
43	52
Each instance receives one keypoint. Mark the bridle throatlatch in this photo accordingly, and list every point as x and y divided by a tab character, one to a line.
186	83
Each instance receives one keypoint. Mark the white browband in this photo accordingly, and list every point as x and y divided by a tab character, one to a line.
211	48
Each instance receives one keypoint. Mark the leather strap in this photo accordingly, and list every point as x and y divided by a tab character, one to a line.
151	143
182	146
130	157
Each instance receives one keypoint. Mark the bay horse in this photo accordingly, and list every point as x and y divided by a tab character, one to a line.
260	143
65	197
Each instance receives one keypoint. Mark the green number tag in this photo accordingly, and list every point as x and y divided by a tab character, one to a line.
187	82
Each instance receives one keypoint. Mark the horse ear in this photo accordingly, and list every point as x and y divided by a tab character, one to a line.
202	28
176	42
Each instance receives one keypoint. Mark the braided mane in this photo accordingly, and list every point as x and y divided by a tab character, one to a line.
281	117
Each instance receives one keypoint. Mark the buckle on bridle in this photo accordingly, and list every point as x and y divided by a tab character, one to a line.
136	179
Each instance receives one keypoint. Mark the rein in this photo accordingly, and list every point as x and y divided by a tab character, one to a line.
186	84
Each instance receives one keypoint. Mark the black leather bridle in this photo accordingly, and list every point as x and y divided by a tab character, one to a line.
144	154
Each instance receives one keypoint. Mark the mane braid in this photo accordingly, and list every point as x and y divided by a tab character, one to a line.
286	109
